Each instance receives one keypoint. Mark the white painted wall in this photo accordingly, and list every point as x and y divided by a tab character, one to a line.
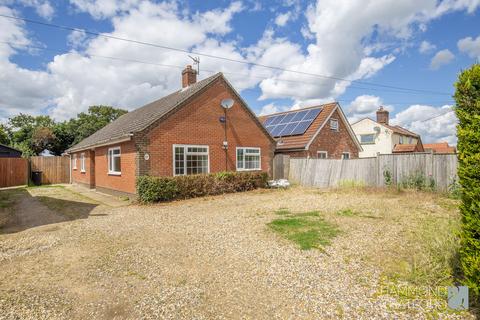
383	140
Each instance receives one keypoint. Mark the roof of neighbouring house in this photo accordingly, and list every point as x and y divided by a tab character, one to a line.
440	147
302	141
141	118
11	148
395	129
404	148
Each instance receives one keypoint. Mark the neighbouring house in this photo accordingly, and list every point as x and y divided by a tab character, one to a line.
316	132
9	152
186	132
439	147
379	137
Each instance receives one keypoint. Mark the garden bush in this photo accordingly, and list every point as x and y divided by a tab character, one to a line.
467	98
155	189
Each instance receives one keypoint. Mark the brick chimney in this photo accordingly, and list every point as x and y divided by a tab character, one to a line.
189	76
382	116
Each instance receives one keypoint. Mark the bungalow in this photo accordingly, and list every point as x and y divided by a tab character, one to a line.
379	137
317	132
205	127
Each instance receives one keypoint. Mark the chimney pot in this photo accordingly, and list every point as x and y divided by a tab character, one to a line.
189	76
382	115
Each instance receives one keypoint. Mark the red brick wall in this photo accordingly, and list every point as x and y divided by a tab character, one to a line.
124	182
198	123
335	143
87	177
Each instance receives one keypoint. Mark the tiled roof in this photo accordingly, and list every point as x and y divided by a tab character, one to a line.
400	130
404	148
301	141
441	147
139	119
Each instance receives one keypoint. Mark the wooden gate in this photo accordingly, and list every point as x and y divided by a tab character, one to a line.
13	172
54	169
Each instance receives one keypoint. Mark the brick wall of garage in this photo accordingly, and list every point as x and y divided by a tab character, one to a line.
125	182
197	123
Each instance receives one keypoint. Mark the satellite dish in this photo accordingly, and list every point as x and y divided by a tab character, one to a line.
227	103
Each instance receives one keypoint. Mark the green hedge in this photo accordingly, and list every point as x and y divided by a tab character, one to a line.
467	98
155	189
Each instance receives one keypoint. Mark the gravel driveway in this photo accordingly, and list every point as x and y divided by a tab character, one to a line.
202	258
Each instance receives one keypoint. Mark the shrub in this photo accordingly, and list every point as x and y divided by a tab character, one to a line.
154	189
387	177
418	181
467	98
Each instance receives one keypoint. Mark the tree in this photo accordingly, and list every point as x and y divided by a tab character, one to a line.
22	128
4	139
42	138
467	97
96	118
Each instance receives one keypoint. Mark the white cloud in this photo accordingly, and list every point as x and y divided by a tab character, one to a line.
42	7
365	106
416	118
100	9
426	47
282	19
470	46
441	58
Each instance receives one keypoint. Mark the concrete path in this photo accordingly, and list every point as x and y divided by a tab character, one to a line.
102	198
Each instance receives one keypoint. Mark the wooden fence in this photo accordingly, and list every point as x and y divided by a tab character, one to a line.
54	169
442	168
13	172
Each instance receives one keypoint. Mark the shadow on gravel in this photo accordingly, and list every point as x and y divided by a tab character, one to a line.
23	211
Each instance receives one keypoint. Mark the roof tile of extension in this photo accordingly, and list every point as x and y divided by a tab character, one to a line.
301	141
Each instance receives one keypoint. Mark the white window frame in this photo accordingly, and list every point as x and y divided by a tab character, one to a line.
367	134
110	161
82	162
400	140
74	161
337	127
259	161
322	152
344	153
186	146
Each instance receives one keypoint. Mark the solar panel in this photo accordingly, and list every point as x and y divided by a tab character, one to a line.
292	123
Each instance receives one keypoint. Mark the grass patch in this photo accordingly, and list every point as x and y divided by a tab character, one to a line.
282	211
308	230
346	213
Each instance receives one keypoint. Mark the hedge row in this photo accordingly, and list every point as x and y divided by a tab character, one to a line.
467	97
154	189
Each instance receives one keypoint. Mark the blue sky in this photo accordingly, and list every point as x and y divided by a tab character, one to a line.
420	45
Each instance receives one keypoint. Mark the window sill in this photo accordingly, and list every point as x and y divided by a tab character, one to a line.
114	173
83	171
259	169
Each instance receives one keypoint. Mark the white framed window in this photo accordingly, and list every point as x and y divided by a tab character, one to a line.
248	159
410	140
74	162
334	124
401	140
322	155
190	159
114	161
367	138
82	162
346	155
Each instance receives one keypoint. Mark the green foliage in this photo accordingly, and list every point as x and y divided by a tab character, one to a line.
307	229
467	97
33	134
455	190
96	118
418	181
387	177
154	189
4	139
